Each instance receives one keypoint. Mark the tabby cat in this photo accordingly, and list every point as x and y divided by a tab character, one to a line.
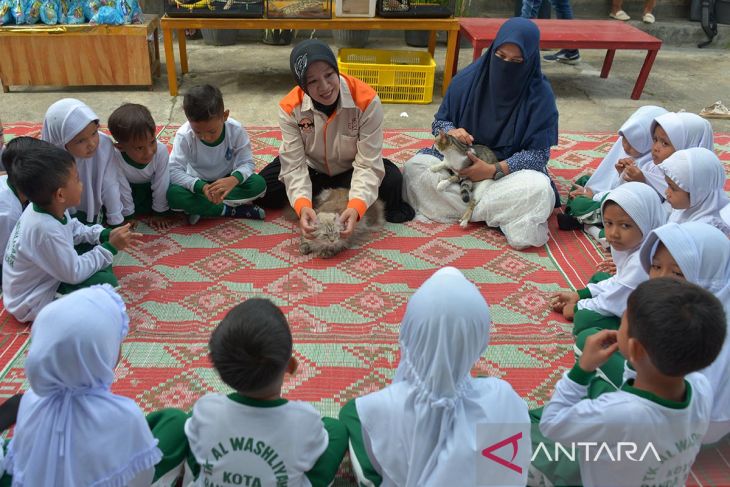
455	159
328	205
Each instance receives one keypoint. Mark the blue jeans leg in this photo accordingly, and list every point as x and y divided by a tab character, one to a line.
563	10
530	8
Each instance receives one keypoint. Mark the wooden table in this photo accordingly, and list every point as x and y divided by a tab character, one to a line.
575	34
179	24
80	55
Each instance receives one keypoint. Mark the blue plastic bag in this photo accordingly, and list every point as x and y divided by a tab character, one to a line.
107	15
17	9
51	12
6	12
130	11
33	11
74	12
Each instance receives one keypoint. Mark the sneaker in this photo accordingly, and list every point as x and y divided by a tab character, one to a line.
620	15
648	18
567	56
193	219
245	211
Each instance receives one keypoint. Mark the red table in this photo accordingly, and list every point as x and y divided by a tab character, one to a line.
574	34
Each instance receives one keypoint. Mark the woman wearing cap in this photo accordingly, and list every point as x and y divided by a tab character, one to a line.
332	136
502	101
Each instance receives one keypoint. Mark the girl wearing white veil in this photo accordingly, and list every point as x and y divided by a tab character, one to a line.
72	431
421	430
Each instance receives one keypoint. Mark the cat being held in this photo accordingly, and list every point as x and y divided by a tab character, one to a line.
326	241
456	159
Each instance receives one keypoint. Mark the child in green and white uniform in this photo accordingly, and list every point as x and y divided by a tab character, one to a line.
142	159
671	330
211	165
71	430
254	436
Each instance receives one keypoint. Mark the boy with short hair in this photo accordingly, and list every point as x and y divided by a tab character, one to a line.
40	259
671	329
12	202
211	165
142	159
254	433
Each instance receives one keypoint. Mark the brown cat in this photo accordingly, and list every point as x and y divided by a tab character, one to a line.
327	241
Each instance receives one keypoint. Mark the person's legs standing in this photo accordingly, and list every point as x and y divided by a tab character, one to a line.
563	10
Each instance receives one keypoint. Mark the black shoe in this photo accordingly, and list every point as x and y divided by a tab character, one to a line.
568	222
567	56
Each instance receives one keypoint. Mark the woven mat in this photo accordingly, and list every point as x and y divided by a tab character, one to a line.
344	312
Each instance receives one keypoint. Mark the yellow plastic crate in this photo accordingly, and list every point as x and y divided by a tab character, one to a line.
397	76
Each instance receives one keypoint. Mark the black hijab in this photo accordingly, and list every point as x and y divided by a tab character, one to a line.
302	56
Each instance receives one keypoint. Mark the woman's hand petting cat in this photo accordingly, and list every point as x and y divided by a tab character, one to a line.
479	170
462	135
349	219
307	222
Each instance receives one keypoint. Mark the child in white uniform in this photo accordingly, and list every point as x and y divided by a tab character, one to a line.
699	253
670	330
72	125
71	429
254	433
40	255
211	165
623	163
421	431
11	201
143	161
695	187
629	212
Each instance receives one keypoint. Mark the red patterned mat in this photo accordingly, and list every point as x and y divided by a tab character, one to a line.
345	311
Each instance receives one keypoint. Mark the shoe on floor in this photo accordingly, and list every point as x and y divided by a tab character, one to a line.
648	18
193	219
620	15
567	56
252	212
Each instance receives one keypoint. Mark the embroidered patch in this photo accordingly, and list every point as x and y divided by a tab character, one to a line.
300	67
306	125
229	154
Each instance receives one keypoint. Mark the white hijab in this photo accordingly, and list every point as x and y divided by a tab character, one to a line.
644	206
685	130
637	132
422	427
699	172
703	254
65	119
71	430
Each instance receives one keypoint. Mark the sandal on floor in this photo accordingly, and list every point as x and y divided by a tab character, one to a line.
648	18
620	15
716	110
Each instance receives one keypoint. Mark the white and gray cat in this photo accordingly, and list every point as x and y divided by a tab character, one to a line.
328	205
456	159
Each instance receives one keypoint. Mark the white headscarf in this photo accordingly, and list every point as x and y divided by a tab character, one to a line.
422	427
637	132
643	205
702	252
71	430
685	130
65	119
699	172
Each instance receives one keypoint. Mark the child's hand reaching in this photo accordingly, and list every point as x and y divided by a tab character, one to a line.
607	265
122	236
218	190
580	191
598	349
559	301
622	164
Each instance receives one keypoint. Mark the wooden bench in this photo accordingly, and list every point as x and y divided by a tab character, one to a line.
80	55
574	34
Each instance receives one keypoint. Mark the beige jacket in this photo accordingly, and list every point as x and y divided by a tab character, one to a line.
352	138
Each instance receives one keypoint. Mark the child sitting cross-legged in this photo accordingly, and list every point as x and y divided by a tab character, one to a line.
211	165
254	433
40	259
670	330
143	161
